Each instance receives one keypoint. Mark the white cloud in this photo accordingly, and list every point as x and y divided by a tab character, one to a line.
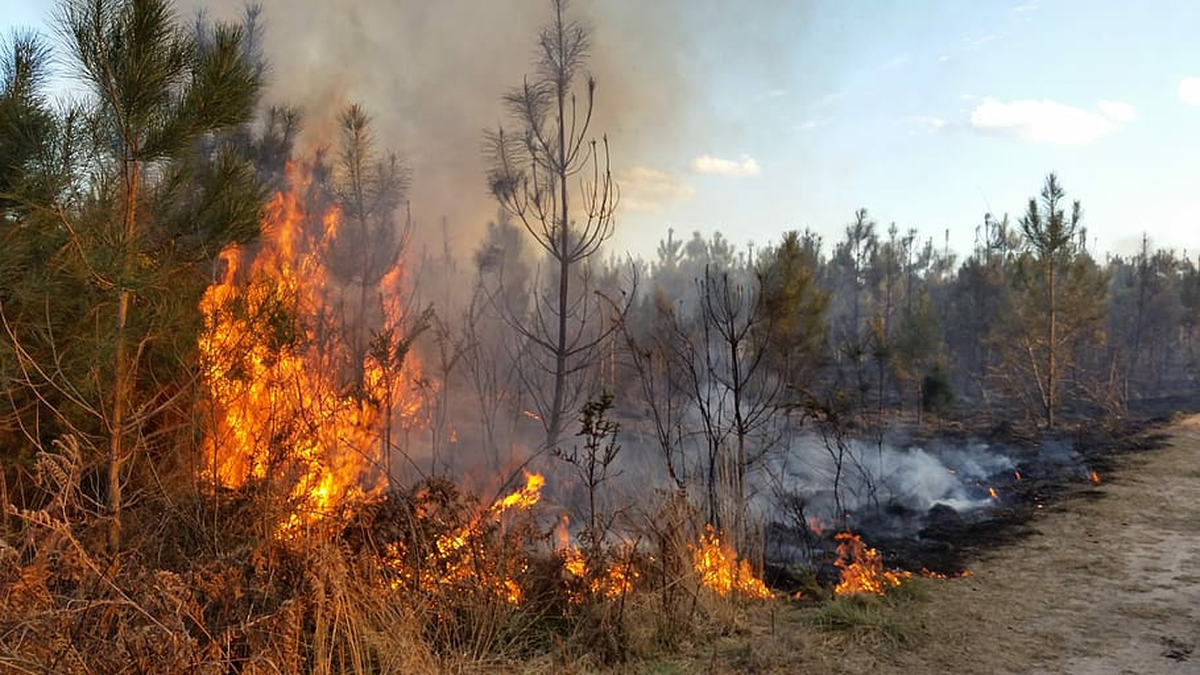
650	190
1045	121
742	167
1117	111
1027	6
1189	90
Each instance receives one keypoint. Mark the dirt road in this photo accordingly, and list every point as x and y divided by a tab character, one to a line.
1104	585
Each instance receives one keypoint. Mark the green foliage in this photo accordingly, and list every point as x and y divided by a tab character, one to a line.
1057	308
794	308
114	211
593	463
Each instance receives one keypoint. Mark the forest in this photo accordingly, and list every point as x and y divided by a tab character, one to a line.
247	426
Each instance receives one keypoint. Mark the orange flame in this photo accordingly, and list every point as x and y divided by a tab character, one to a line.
522	498
862	568
1017	474
929	574
993	493
1095	477
718	568
460	559
816	526
292	400
612	581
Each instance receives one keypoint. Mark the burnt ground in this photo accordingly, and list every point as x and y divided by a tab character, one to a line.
949	542
1104	578
1050	470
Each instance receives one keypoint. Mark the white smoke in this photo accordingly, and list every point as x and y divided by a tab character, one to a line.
880	476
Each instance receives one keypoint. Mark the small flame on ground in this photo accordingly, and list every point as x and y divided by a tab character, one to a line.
1017	474
930	574
862	568
719	569
1095	477
993	493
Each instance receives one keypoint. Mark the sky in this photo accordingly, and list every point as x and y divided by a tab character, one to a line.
755	118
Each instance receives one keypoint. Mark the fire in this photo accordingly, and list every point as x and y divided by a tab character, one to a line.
718	568
611	582
1017	474
816	526
1095	477
523	498
295	400
993	493
862	568
930	574
459	558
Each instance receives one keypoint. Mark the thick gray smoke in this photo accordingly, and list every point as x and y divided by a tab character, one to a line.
431	74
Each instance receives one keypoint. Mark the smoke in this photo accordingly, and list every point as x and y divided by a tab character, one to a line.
431	75
885	478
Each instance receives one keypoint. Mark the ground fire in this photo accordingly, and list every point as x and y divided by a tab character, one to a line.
717	565
862	568
461	557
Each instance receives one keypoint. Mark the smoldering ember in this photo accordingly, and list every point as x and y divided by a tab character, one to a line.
361	339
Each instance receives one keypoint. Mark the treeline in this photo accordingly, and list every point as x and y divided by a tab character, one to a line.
1030	324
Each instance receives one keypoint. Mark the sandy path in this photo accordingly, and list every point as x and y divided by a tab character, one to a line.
1104	585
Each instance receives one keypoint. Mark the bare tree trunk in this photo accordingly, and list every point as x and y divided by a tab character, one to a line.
116	450
564	256
121	369
1052	366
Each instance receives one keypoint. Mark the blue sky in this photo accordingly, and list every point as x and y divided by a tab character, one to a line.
927	113
930	114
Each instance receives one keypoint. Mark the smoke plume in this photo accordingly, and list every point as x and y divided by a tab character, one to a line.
431	75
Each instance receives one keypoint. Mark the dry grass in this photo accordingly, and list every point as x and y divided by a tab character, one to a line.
384	593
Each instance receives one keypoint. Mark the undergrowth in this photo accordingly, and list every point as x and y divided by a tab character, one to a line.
422	580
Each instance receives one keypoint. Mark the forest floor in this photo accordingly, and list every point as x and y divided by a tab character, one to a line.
1106	580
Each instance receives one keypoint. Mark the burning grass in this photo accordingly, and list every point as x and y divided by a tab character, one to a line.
719	569
862	569
418	580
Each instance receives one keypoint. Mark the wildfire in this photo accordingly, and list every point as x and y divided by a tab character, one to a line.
1017	474
611	582
459	558
992	492
718	568
523	498
1095	477
862	568
295	400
